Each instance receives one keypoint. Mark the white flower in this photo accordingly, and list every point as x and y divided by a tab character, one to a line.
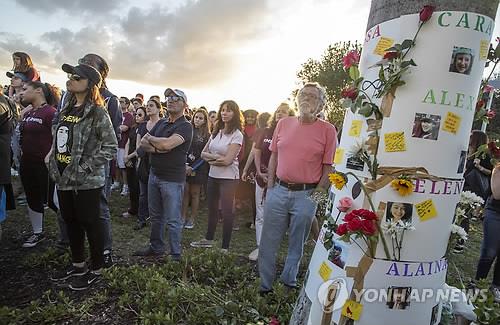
471	199
455	229
358	148
459	212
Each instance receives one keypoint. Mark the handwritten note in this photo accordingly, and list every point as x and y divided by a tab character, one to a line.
395	141
426	210
339	156
383	44
352	310
452	123
484	47
325	271
355	129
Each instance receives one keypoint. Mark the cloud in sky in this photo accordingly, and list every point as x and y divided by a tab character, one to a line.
73	7
192	46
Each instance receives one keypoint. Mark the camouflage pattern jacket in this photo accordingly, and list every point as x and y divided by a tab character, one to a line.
93	145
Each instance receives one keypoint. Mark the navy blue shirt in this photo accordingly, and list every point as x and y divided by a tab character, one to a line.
171	166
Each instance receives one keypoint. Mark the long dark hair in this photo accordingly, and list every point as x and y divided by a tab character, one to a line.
204	130
477	138
51	93
93	97
236	122
26	62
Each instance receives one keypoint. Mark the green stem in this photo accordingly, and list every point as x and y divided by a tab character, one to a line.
384	243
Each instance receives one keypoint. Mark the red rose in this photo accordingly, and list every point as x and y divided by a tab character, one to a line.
274	321
368	227
426	13
341	229
354	225
350	92
479	105
366	214
391	55
491	114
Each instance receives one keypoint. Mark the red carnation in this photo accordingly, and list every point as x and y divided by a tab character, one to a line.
494	150
354	225
391	55
341	229
368	227
491	114
274	321
351	58
426	13
350	92
350	216
366	214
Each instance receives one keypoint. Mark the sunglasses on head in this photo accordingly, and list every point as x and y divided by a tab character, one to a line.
174	98
74	77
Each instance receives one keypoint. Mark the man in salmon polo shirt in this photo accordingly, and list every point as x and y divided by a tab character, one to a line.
302	153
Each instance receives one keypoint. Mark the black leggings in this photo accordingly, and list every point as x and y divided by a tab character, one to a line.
35	179
80	210
222	190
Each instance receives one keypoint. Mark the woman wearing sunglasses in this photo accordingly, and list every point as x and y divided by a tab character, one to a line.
84	142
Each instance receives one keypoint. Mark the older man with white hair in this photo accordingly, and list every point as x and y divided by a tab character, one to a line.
302	152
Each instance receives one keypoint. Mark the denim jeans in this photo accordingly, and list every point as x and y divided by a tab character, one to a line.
284	210
490	247
223	191
143	213
165	208
105	216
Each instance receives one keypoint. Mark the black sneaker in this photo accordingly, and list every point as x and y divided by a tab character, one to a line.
108	259
33	240
68	273
85	281
147	251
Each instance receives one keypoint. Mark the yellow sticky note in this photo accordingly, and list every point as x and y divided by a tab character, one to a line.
352	310
324	271
383	44
395	141
484	48
339	156
426	210
355	129
452	123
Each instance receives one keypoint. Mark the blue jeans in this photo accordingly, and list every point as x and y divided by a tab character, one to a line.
165	208
143	213
284	209
105	216
490	247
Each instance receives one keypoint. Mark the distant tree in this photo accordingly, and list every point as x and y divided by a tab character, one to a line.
329	72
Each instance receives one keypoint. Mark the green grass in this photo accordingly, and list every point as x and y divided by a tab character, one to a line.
207	287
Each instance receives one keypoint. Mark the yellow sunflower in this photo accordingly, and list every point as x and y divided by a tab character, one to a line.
403	186
338	180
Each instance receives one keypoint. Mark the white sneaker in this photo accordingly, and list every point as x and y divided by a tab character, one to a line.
254	255
115	186
124	190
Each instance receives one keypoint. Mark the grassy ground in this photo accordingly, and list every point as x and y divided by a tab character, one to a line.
207	287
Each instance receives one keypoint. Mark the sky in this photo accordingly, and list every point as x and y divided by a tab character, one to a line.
246	50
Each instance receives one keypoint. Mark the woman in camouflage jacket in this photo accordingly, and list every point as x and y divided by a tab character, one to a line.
84	141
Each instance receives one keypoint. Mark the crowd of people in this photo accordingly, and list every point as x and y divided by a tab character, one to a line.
72	147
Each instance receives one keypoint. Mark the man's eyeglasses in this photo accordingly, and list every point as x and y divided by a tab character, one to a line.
174	99
74	77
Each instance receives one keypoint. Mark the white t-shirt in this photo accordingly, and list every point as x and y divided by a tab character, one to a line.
220	145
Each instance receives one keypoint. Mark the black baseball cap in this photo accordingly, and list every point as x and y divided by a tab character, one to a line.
85	71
